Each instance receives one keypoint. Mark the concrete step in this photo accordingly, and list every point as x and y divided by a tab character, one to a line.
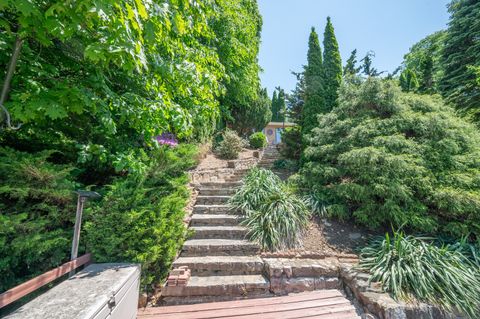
218	247
215	220
206	286
212	209
220	232
216	191
220	184
222	265
211	200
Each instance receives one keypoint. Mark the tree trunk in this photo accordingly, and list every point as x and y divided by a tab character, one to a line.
8	78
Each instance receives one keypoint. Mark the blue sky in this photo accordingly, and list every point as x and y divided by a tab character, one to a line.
388	27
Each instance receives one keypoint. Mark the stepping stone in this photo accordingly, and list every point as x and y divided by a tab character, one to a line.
239	285
212	209
221	184
225	232
216	191
219	247
215	220
222	265
212	200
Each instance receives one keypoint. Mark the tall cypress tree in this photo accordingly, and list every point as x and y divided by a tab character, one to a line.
461	54
314	99
274	105
281	106
332	66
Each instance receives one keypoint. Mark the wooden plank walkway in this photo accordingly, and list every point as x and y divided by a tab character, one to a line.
325	304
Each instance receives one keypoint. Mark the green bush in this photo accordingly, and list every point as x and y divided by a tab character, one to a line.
230	145
384	157
37	211
140	218
411	268
291	146
286	164
258	140
275	216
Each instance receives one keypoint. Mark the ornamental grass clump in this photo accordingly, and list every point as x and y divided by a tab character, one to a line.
412	268
274	215
257	186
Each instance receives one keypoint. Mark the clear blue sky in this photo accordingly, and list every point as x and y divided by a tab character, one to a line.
388	27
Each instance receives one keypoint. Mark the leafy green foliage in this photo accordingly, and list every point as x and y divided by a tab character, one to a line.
389	158
253	116
37	214
275	216
230	146
408	81
314	88
332	66
237	26
461	52
291	146
286	164
140	217
412	268
257	140
424	60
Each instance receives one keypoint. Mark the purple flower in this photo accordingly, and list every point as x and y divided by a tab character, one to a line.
167	139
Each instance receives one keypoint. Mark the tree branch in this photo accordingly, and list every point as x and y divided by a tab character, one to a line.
8	78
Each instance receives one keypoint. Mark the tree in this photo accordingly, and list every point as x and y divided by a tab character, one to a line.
237	26
367	66
460	54
408	81
274	105
280	109
314	90
351	68
332	66
296	100
254	116
424	59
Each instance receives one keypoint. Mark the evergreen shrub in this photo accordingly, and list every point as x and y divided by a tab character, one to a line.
258	140
140	218
384	157
230	146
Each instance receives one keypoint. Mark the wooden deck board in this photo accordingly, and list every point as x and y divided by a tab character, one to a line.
325	304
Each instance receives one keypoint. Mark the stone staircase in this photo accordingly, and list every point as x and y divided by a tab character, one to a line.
270	155
223	264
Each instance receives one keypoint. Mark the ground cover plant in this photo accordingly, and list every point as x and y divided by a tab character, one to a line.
414	268
275	215
384	157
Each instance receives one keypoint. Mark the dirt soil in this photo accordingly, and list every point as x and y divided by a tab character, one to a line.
333	236
211	161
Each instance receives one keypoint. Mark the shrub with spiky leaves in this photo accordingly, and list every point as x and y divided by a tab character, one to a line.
412	268
257	186
275	216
